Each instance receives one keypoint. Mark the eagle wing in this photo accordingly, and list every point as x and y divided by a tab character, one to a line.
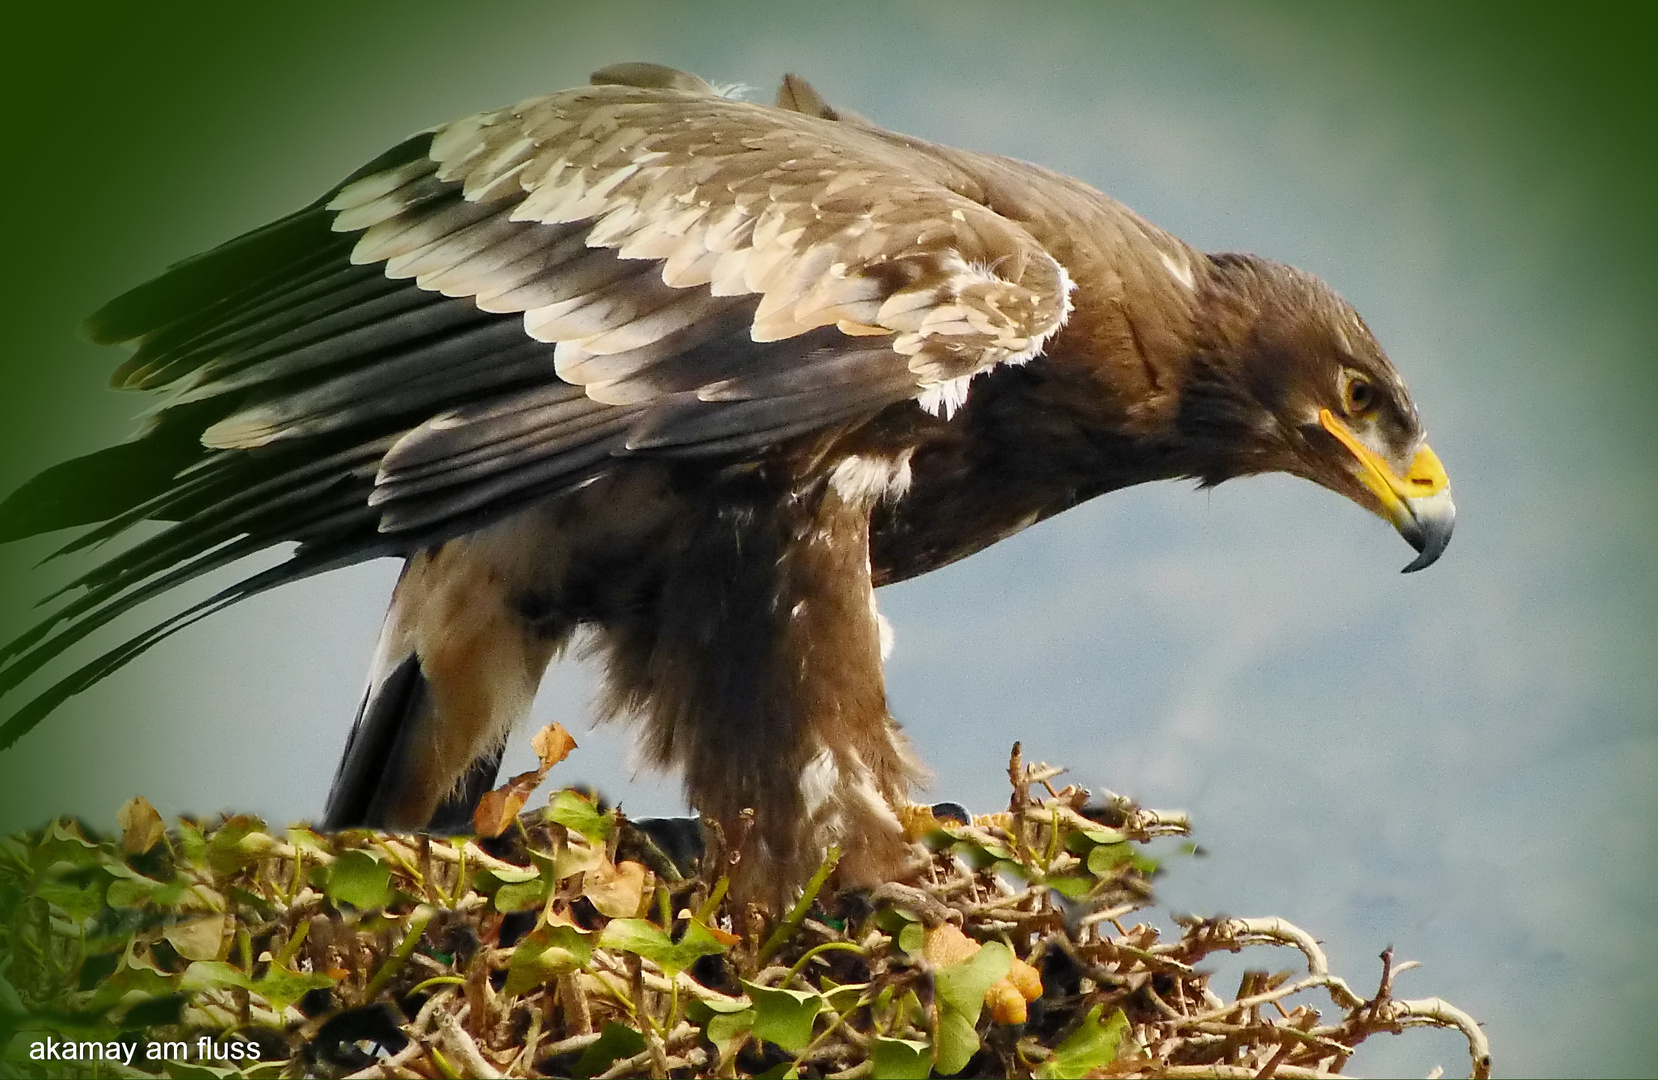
500	308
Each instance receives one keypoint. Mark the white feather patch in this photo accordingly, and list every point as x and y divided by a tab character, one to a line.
867	480
1182	273
883	627
944	398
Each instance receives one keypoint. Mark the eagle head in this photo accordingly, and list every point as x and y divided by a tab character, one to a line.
1290	379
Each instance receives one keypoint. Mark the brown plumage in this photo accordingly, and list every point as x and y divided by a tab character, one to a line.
697	375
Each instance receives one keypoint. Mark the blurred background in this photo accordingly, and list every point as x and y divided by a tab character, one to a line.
1458	763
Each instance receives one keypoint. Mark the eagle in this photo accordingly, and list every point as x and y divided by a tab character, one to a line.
693	376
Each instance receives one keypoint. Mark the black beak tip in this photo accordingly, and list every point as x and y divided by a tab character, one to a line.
1430	539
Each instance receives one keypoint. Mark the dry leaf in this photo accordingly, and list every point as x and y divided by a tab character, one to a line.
498	809
552	744
199	938
724	937
617	890
141	826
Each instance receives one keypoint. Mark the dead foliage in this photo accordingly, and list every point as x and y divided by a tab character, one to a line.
572	944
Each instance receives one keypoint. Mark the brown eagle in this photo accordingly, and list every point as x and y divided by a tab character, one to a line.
697	375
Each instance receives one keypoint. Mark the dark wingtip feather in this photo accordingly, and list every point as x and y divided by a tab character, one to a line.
204	279
87	490
301	565
106	483
186	287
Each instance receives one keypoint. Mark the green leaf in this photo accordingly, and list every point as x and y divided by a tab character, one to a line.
78	891
901	1059
958	1041
615	1042
783	1070
1090	1047
307	841
521	895
1102	835
783	1016
237	844
912	938
980	856
938	839
11	1003
575	813
544	954
138	891
891	920
645	939
359	879
65	843
701	1009
126	980
1069	886
960	988
281	987
725	1028
278	986
212	974
191	843
845	996
576	859
1105	858
496	876
962	985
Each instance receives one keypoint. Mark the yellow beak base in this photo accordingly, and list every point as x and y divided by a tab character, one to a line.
1418	503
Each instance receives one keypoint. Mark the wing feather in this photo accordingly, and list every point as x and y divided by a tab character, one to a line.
504	307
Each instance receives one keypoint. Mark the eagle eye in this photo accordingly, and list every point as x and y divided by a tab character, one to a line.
1358	396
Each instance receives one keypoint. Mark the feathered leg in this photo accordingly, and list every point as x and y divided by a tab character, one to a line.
759	673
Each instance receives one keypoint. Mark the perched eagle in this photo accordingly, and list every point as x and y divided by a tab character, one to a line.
696	375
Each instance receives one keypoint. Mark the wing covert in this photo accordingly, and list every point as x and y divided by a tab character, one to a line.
827	224
500	308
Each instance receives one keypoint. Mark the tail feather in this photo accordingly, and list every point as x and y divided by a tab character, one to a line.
374	771
366	780
456	668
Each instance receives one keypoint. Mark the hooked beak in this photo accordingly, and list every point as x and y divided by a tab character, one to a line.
1418	504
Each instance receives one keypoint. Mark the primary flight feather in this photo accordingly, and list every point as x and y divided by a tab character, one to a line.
698	375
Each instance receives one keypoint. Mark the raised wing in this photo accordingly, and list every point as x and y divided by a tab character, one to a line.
679	249
505	306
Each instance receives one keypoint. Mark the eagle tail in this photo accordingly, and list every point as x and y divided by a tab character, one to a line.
378	755
457	667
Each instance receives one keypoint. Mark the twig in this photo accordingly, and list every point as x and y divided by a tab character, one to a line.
797	914
460	1044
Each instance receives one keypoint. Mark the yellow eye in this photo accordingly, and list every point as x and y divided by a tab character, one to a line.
1358	396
